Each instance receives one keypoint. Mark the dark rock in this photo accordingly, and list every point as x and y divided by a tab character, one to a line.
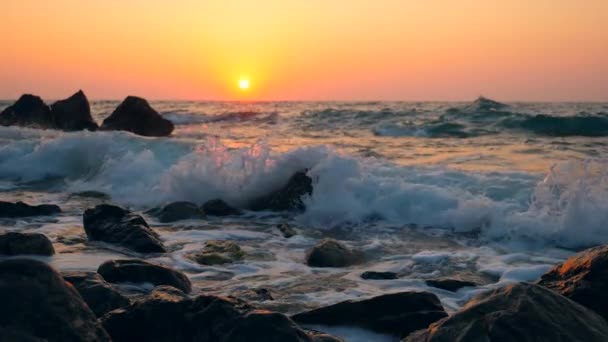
331	253
582	278
139	271
37	304
217	207
73	113
256	295
519	312
397	314
20	209
28	111
286	230
450	284
317	336
100	296
91	194
289	197
13	243
115	225
372	275
135	115
179	211
217	252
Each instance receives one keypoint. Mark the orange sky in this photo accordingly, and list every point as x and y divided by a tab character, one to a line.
306	50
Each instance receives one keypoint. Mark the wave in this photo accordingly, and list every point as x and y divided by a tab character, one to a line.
188	118
581	125
429	130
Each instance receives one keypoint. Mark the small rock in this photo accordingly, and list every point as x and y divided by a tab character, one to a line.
289	197
257	295
331	253
13	243
449	284
217	252
28	111
286	230
73	113
20	209
135	115
91	194
372	275
177	211
100	296
139	271
217	207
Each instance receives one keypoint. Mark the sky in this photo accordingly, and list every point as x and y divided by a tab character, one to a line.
411	50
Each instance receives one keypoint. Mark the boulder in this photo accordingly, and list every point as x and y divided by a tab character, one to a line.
14	243
28	111
73	113
100	296
373	275
38	305
450	284
20	209
286	230
217	252
331	253
217	207
397	314
289	197
177	211
139	271
115	225
518	312
135	115
582	278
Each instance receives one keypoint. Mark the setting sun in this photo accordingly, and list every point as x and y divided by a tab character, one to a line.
244	84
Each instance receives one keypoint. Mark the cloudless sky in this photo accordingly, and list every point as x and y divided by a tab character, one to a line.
541	50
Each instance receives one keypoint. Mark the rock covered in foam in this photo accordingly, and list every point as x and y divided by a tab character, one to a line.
20	209
289	197
139	271
100	296
14	243
136	115
73	113
28	111
331	253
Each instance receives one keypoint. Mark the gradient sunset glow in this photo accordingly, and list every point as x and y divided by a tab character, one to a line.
306	50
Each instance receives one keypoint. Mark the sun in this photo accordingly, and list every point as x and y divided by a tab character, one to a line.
244	84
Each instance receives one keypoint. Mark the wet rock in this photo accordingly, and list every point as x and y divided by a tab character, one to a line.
37	304
256	295
28	111
139	271
177	211
217	252
100	296
582	278
317	336
91	194
135	115
20	209
286	230
217	207
450	284
372	275
115	225
289	197
13	243
518	312
331	253
397	314
73	113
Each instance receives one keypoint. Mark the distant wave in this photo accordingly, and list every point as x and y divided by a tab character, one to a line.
588	125
186	118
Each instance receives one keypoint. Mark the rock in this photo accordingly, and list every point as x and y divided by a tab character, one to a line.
450	284
73	113
518	312
331	253
286	230
286	198
396	314
92	194
100	296
20	209
582	278
28	111
254	295
139	271
217	252
13	243
115	225
373	275
217	207
179	211
135	115
37	304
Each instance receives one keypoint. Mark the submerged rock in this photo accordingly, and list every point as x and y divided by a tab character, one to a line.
518	312
331	253
372	275
28	111
217	252
139	271
73	113
286	230
582	278
100	296
177	211
115	225
135	115
38	305
217	207
397	314
450	284
289	197
13	243
20	209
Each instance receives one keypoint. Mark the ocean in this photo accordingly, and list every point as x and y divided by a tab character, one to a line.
493	192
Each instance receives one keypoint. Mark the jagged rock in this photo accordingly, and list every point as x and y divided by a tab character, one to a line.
14	243
115	225
38	305
397	314
331	253
518	312
373	275
177	211
135	115
28	111
217	207
100	296
20	209
73	113
289	197
450	284
139	271
217	252
286	230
